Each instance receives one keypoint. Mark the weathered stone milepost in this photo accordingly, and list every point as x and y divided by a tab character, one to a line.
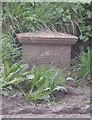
47	48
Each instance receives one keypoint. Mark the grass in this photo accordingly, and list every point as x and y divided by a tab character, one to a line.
83	64
37	84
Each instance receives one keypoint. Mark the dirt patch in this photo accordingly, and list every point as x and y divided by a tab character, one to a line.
74	105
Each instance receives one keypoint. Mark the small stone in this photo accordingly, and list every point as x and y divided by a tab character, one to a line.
69	78
71	91
87	107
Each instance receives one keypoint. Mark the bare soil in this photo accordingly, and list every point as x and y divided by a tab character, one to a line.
75	104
